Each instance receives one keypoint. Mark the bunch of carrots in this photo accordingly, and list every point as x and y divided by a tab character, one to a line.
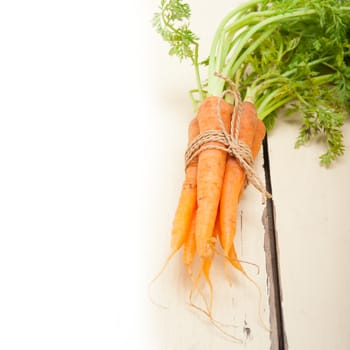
278	53
213	185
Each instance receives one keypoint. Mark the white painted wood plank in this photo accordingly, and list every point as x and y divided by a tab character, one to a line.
312	209
180	326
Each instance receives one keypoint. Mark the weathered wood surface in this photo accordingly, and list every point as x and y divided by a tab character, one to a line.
180	326
312	208
313	238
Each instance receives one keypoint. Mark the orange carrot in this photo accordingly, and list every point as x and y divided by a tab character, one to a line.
256	145
187	202
205	269
211	168
257	141
190	246
258	138
234	179
207	263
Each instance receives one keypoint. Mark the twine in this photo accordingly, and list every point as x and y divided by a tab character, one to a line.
228	142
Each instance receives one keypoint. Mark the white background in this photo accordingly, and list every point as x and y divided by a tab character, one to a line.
76	157
86	169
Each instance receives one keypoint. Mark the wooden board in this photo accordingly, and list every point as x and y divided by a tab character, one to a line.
312	235
312	207
180	326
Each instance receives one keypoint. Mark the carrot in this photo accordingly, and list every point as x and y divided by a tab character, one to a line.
233	182
190	246
187	202
205	269
211	168
207	263
258	138
257	141
256	145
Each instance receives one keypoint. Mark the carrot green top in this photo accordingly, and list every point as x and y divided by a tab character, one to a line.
280	53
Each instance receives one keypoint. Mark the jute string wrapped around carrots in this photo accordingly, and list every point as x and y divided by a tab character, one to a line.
230	141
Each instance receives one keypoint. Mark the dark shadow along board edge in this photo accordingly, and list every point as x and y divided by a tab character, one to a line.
278	336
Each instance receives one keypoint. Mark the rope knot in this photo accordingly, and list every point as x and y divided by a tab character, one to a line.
239	150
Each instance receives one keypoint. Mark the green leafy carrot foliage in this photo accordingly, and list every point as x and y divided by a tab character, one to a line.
172	23
293	54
